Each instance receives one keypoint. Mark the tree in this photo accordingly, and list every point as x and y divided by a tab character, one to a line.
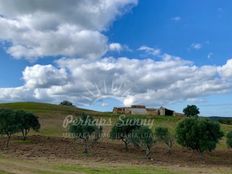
123	128
98	134
9	124
84	128
27	121
198	134
162	134
229	139
191	110
142	137
12	122
66	103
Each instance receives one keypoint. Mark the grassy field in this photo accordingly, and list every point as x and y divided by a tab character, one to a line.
40	166
51	118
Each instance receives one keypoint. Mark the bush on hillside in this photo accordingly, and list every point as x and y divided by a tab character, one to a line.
229	139
198	134
142	137
27	121
162	134
66	103
85	128
98	134
191	111
123	129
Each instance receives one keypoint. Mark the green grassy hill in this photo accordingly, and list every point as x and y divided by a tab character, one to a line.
45	109
52	116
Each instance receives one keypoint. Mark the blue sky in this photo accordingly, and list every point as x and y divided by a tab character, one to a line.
62	50
153	24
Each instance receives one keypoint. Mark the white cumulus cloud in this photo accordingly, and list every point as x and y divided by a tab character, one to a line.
44	76
39	28
226	70
131	81
115	47
150	50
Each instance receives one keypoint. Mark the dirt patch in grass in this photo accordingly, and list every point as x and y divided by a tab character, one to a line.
110	152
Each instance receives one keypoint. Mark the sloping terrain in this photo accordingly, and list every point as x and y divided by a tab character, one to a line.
45	109
51	116
48	155
49	151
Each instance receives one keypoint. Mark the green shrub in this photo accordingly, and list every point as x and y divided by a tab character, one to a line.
142	137
229	139
162	134
123	129
198	134
27	121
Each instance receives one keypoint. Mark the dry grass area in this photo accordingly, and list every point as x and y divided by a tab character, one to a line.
59	166
62	155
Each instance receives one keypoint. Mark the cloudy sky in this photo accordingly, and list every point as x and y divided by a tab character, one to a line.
105	53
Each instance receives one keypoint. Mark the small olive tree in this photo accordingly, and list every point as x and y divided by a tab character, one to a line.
162	134
9	124
229	139
27	121
85	128
143	137
198	134
123	129
12	122
97	134
191	111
